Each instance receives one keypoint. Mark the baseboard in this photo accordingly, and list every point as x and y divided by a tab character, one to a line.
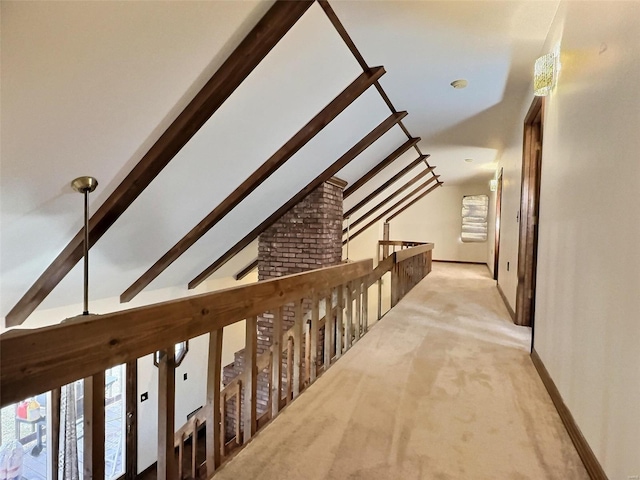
459	261
584	450
512	314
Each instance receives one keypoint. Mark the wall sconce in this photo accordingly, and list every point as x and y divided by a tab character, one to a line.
493	185
545	73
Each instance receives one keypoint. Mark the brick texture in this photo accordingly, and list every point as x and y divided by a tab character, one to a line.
307	237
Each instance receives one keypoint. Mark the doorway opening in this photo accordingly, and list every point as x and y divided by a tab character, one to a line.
529	214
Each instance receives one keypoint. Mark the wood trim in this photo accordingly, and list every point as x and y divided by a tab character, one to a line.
338	165
94	427
512	314
591	463
37	360
395	205
463	262
132	419
393	195
167	466
246	270
337	24
214	418
529	210
254	47
413	202
397	153
251	380
386	185
278	159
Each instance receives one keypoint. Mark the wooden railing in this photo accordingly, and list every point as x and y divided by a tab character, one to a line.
36	361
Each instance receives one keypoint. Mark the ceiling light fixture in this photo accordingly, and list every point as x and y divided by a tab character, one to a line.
459	84
85	185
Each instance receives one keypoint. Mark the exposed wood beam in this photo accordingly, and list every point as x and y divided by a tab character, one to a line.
246	270
391	196
395	205
346	38
352	153
279	158
385	185
382	165
256	45
419	197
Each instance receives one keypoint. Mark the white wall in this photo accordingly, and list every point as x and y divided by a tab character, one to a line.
587	330
437	219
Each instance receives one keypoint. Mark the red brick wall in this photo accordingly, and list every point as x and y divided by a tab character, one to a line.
307	237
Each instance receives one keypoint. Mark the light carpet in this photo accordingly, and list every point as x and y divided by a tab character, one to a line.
442	388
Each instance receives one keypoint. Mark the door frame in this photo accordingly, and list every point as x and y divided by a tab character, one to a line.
496	250
529	213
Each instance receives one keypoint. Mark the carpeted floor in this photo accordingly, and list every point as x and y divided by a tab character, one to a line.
442	388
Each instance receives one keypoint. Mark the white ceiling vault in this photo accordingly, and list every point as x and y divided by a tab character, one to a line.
88	87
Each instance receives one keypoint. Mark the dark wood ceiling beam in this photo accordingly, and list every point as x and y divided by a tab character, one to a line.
279	158
381	166
395	205
256	45
338	165
385	185
246	270
412	202
346	38
393	195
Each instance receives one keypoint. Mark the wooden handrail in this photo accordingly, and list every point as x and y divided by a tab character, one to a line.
38	360
35	361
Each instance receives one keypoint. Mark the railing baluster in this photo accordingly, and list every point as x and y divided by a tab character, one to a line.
54	437
349	316
365	308
214	419
358	320
328	332
289	369
297	348
339	320
93	454
313	336
180	457
222	430
166	469
239	414
194	448
250	390
276	368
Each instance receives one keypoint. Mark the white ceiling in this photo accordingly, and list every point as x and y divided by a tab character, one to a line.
87	87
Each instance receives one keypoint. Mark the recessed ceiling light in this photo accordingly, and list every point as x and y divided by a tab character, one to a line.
460	83
468	160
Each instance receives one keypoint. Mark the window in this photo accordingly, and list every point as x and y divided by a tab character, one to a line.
474	218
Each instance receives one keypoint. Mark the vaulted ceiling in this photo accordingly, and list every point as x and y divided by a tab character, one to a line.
89	87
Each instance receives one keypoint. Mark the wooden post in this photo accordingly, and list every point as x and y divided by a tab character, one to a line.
251	386
239	414
339	320
276	367
166	469
223	416
214	367
54	437
313	335
289	369
365	308
131	370
297	348
93	466
385	237
328	332
194	447
394	285
349	315
358	320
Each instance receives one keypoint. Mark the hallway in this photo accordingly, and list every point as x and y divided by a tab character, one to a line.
442	388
